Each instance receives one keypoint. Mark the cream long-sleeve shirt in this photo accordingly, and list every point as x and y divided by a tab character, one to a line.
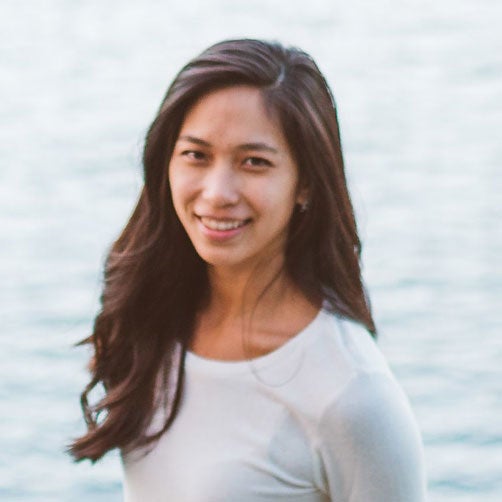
321	418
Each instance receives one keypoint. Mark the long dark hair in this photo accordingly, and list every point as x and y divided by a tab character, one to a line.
154	281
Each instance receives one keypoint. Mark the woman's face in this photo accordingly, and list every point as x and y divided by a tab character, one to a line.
234	182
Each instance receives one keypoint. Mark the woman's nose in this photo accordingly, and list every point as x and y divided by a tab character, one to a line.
221	186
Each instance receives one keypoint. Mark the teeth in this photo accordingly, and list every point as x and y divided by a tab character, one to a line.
222	225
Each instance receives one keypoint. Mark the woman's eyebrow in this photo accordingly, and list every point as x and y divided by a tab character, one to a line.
256	146
193	139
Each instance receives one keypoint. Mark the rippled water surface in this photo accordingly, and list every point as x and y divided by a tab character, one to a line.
418	86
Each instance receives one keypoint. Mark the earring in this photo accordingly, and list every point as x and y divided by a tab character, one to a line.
304	206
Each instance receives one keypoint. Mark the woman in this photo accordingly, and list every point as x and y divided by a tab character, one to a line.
235	341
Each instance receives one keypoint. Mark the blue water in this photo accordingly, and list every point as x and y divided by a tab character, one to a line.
419	90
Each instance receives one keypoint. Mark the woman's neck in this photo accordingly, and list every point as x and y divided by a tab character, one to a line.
250	314
236	293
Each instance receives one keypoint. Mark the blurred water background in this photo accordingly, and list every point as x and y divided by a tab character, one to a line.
419	91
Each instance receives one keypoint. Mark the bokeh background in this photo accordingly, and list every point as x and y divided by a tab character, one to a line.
419	90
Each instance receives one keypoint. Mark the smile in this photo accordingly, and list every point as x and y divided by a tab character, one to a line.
222	224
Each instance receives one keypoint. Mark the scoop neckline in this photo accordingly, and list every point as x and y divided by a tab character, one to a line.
194	361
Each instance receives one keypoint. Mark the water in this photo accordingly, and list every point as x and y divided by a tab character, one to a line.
418	85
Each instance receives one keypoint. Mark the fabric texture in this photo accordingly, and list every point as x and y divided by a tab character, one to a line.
321	418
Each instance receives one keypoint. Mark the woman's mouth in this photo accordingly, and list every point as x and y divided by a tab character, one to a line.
222	224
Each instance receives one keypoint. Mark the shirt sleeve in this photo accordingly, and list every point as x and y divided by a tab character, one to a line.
370	445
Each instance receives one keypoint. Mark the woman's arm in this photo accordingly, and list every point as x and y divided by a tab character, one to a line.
370	444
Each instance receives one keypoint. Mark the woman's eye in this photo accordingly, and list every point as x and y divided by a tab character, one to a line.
193	155
257	162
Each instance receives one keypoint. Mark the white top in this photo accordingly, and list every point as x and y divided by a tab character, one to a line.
320	418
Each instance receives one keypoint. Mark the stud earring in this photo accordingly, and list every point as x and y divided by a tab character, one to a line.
304	206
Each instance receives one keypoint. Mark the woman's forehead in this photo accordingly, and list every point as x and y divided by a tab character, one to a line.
236	114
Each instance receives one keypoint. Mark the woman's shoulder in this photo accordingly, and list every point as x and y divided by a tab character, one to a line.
343	348
365	431
342	365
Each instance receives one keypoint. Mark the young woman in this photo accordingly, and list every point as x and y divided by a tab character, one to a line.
235	342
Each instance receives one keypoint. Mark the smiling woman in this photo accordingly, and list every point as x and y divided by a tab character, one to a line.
234	181
236	342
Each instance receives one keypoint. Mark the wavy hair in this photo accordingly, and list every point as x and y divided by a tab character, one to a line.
154	281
